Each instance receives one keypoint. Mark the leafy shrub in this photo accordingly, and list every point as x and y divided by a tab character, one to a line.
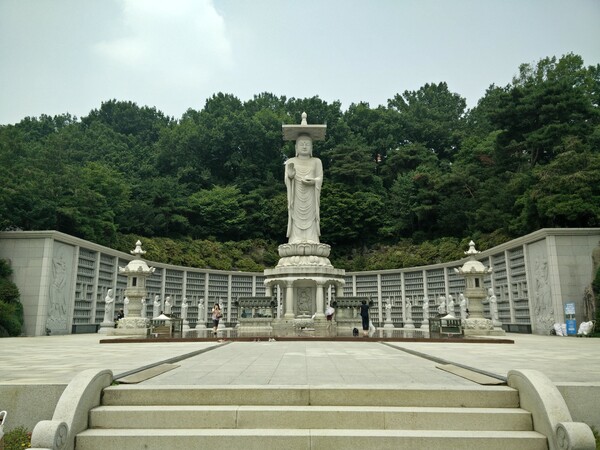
5	269
11	319
11	309
9	292
17	439
597	436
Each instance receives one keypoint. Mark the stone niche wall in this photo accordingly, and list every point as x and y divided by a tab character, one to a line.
63	281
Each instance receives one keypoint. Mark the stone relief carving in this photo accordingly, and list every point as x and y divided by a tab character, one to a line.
542	314
304	301
58	290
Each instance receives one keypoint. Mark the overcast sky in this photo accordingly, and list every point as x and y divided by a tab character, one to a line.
68	56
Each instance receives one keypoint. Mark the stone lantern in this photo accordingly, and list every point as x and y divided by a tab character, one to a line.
474	272
133	324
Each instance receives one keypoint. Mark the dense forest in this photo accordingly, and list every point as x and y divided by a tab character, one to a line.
405	184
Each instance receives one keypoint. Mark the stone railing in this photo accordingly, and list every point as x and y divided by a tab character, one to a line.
71	413
255	307
351	302
551	416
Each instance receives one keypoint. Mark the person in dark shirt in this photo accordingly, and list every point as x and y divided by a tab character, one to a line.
364	313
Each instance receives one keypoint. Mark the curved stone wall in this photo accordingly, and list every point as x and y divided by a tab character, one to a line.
63	281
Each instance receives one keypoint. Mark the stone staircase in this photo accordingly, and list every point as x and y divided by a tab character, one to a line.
287	417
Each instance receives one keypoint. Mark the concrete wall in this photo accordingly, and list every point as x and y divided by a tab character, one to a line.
30	260
27	404
574	269
583	400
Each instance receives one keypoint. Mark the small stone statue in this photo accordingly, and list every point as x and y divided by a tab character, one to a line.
201	317
463	306
168	305
408	309
425	308
442	307
493	303
388	310
184	308
109	306
450	305
126	305
156	306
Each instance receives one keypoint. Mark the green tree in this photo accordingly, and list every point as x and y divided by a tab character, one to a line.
565	192
404	159
353	165
157	207
546	103
127	118
379	128
414	204
432	116
217	213
89	207
350	218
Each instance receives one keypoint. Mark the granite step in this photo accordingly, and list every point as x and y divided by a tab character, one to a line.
294	439
311	417
466	397
304	417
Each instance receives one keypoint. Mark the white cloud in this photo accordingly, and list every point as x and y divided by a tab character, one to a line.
179	42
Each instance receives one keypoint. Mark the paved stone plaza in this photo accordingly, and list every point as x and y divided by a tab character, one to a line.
57	359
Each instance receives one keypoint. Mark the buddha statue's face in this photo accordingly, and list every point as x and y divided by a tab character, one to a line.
304	146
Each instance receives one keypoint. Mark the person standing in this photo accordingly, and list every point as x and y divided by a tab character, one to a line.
364	313
216	316
329	312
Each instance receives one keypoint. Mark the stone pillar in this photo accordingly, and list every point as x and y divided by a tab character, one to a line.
320	314
289	300
144	311
475	292
268	290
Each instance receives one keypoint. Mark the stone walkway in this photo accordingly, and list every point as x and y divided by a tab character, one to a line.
57	359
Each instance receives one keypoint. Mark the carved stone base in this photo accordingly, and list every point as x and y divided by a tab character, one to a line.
304	249
292	261
481	327
106	327
133	322
131	326
304	254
